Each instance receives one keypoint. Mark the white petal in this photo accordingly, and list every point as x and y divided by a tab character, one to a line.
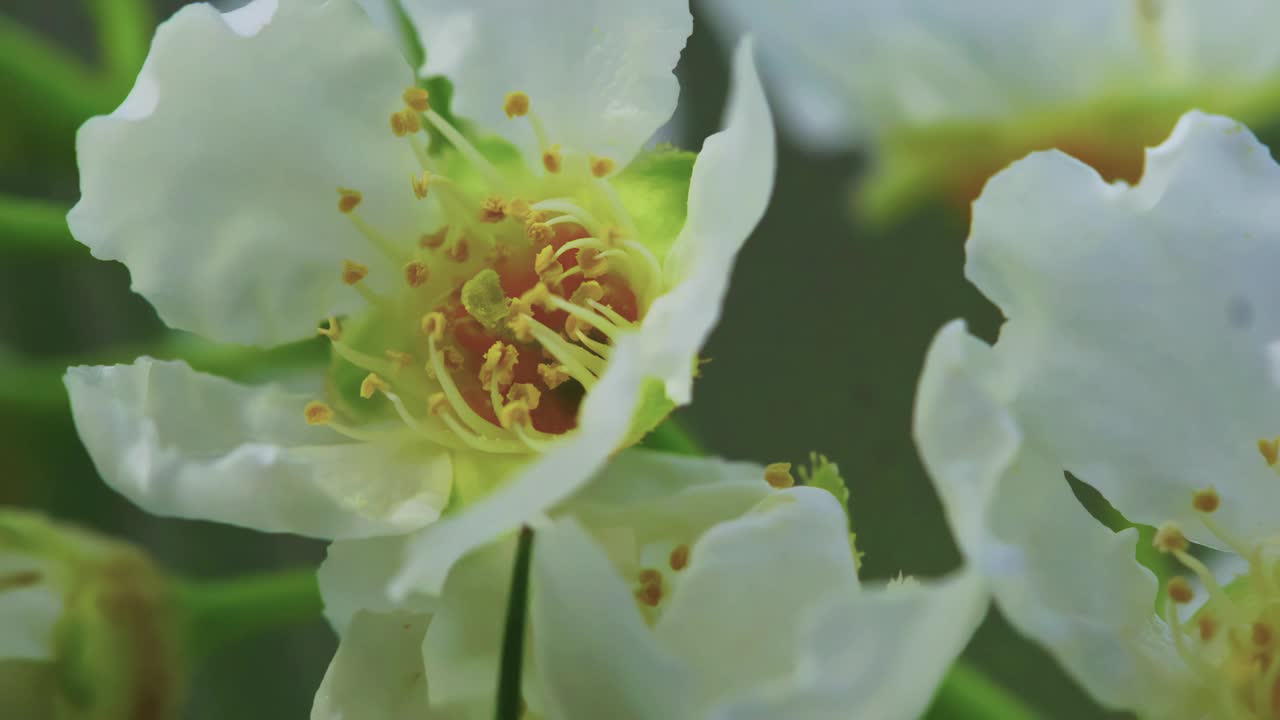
595	655
216	180
1205	42
186	444
30	610
1058	575
879	653
734	617
463	647
728	192
847	70
605	419
598	72
377	673
354	577
658	495
1139	320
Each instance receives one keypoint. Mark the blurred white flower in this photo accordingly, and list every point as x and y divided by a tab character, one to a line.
671	588
948	93
1134	355
492	299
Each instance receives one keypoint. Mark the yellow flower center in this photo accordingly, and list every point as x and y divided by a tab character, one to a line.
505	312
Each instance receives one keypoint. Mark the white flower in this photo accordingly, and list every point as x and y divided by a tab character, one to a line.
948	93
1135	356
672	588
490	298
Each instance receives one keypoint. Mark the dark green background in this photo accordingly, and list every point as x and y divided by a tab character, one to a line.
819	349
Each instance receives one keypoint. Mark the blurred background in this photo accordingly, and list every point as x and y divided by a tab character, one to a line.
820	347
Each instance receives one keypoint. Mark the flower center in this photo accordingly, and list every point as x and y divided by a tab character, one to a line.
1232	641
507	307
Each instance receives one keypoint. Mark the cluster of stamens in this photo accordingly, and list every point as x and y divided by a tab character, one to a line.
661	566
1232	641
504	315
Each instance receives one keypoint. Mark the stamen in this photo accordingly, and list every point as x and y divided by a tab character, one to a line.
601	166
373	384
1180	590
460	252
421	184
417	98
779	475
540	233
553	376
353	272
465	147
516	104
569	357
416	273
431	241
499	366
679	558
604	350
609	313
433	325
1169	539
576	214
520	328
515	415
493	210
349	199
519	208
592	263
333	331
317	413
380	241
525	393
1270	449
399	359
552	160
456	401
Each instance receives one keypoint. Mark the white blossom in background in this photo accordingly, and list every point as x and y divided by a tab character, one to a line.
944	94
512	289
671	588
1134	355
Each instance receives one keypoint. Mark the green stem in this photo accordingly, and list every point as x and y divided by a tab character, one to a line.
124	32
967	693
30	226
44	81
37	386
222	612
509	700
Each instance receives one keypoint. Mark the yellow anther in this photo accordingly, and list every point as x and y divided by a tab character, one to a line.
493	210
1169	538
353	272
373	384
591	263
553	376
1262	634
437	404
574	325
421	185
399	359
521	327
499	365
601	166
519	209
1180	590
650	595
417	98
649	576
540	233
452	358
519	306
516	104
399	123
525	393
515	414
1206	501
537	295
544	260
348	199
778	475
317	413
460	251
332	329
433	325
416	273
679	558
614	235
586	292
552	160
431	241
1270	449
1207	626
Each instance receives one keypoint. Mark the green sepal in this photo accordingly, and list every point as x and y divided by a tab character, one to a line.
825	475
655	190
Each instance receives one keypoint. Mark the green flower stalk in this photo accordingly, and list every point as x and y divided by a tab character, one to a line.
943	94
513	289
89	628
